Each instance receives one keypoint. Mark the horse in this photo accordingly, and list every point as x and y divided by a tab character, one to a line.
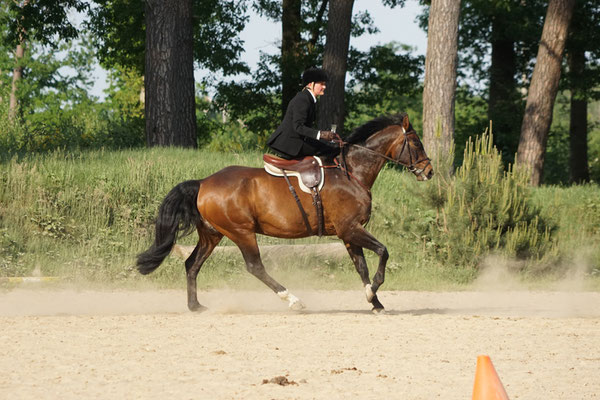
239	202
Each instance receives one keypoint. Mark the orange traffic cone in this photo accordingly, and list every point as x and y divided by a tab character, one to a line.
487	383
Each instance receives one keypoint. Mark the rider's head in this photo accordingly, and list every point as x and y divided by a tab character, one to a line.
315	80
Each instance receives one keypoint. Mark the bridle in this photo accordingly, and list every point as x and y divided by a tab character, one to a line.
341	164
412	164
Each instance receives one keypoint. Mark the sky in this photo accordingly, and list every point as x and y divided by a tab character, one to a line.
397	24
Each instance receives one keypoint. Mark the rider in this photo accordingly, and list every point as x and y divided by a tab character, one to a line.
295	137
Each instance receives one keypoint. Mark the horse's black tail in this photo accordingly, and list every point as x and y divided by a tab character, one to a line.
178	216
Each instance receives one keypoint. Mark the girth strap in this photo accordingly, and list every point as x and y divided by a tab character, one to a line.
316	202
319	206
293	192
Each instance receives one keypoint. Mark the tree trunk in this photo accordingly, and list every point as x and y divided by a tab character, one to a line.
440	80
335	62
170	105
291	68
17	75
13	102
578	150
543	89
314	33
504	100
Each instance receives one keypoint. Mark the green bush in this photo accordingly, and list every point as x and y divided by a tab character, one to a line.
484	208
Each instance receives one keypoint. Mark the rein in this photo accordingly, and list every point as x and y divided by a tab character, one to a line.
349	174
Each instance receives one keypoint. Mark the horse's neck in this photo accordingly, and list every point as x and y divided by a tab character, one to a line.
364	164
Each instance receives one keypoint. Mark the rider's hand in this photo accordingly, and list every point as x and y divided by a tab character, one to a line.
330	136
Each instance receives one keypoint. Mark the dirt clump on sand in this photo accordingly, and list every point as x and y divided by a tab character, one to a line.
279	380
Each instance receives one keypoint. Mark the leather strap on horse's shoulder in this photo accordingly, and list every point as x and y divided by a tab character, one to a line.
304	216
319	206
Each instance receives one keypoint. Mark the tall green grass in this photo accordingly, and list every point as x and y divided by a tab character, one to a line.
84	216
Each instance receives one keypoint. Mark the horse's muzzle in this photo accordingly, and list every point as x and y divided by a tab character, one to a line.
423	176
425	173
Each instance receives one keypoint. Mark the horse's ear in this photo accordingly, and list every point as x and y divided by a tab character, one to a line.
405	123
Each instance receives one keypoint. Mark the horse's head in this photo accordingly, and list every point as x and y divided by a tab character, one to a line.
408	150
391	138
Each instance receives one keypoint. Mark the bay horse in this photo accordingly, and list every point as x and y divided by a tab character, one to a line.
240	202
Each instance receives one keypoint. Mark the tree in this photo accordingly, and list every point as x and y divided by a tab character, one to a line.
38	20
335	62
276	81
170	100
583	78
514	32
543	89
494	60
253	101
119	33
118	28
54	107
440	79
384	79
291	68
578	134
208	36
17	75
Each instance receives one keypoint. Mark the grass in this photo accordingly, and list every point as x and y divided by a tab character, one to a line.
84	217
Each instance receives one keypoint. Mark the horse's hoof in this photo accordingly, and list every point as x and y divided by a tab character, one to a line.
297	305
378	311
376	303
197	307
294	303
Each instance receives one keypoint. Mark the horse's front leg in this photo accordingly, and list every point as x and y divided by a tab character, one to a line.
359	238
358	258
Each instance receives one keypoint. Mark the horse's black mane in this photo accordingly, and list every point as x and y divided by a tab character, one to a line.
375	125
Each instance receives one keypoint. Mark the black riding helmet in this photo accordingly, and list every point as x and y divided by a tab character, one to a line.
313	74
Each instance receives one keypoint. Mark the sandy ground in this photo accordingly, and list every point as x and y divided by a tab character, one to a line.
146	345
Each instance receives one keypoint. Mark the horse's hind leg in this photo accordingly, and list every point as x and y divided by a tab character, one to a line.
194	262
254	265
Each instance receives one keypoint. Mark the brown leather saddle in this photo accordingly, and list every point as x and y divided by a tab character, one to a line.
309	171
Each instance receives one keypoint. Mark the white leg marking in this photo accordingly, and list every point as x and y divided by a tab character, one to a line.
369	292
294	303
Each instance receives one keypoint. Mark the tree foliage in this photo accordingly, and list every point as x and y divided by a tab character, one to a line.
40	20
118	29
55	107
381	80
387	78
521	24
119	32
584	36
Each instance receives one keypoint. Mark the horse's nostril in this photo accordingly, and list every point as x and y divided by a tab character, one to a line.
430	174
